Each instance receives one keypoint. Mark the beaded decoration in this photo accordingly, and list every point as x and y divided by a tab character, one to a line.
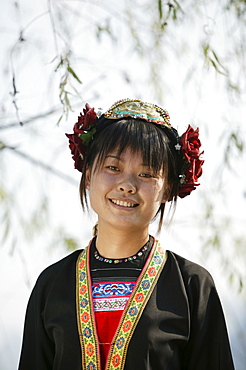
111	260
136	108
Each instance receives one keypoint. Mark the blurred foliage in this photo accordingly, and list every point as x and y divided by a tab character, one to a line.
156	32
64	63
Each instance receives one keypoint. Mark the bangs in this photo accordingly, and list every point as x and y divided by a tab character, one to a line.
140	136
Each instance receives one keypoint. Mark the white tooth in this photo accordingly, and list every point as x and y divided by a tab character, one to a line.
122	203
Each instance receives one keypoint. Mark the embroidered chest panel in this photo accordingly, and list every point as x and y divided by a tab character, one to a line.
111	296
137	300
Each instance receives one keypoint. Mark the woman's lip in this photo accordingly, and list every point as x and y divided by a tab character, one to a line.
122	202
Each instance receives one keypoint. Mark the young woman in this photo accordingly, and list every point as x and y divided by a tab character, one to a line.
123	302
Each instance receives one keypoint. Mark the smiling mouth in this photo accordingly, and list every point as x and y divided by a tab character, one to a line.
124	204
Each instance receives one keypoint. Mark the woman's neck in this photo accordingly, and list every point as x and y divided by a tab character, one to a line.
120	244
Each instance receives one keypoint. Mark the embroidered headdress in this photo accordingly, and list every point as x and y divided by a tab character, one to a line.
187	146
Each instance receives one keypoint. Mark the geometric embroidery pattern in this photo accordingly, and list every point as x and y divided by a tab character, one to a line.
110	304
111	296
114	288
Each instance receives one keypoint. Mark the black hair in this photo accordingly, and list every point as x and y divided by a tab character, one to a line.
156	145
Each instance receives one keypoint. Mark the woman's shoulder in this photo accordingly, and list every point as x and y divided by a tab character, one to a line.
194	280
54	267
192	273
59	268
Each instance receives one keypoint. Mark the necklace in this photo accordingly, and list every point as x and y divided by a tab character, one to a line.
111	260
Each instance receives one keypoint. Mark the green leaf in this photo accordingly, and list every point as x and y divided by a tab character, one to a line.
59	120
67	102
241	285
59	64
234	87
217	68
87	136
205	50
160	9
216	58
218	61
237	142
214	64
70	70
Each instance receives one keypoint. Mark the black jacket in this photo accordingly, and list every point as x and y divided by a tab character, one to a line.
182	325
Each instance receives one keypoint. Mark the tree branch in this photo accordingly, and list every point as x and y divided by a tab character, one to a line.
31	119
37	162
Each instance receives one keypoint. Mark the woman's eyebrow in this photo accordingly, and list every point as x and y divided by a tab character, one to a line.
113	156
120	159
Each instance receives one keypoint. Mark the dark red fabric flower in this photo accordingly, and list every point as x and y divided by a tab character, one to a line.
78	142
190	144
85	120
190	147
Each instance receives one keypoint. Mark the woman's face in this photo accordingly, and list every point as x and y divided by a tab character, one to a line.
124	192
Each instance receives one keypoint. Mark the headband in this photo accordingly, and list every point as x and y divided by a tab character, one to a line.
187	146
139	109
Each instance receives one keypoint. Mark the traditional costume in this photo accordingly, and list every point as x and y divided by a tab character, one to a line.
151	311
172	318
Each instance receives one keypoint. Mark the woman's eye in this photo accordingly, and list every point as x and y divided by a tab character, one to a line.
113	168
148	175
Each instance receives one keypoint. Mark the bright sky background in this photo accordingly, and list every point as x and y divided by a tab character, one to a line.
191	93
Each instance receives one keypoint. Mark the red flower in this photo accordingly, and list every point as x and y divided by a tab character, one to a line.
75	145
83	289
139	297
190	147
151	271
79	140
127	326
190	144
116	360
85	317
82	264
90	350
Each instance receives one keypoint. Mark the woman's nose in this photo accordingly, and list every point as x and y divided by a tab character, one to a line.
127	185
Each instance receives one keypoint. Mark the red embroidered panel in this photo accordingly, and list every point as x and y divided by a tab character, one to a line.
109	301
106	323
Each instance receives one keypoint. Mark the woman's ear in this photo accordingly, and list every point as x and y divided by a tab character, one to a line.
87	178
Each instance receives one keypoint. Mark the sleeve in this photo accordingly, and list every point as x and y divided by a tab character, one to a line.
208	346
51	339
37	347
